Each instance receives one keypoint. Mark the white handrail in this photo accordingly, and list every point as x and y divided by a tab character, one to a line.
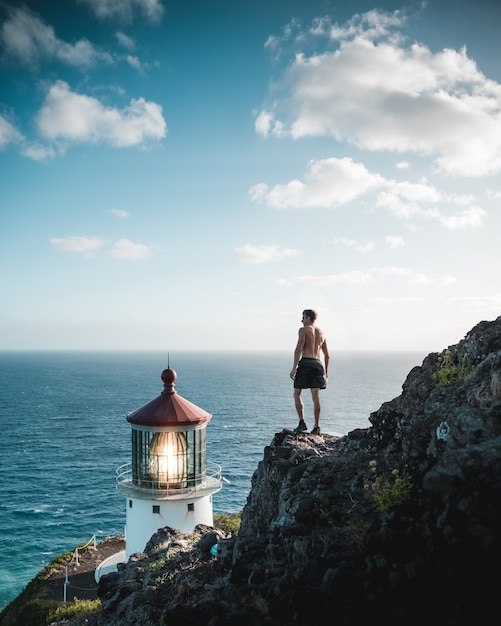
67	584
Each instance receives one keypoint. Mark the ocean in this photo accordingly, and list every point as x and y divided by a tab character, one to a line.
64	433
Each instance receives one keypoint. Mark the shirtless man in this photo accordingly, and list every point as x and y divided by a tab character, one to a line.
308	371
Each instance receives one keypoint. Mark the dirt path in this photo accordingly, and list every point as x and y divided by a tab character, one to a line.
81	581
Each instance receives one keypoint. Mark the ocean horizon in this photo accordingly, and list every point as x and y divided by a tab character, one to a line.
65	433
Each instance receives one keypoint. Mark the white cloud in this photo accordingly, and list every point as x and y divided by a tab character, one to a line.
124	10
394	241
386	300
126	249
87	246
482	303
37	152
8	133
27	38
414	278
263	254
81	245
423	279
375	276
374	24
470	218
327	183
346	278
422	201
351	243
263	123
134	62
125	41
332	182
393	271
406	200
379	94
119	213
70	117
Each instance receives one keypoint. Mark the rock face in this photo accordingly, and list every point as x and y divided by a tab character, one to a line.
399	522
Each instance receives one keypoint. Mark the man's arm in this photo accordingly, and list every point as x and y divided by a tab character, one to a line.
298	351
325	350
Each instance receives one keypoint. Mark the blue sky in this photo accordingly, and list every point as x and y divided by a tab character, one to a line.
191	175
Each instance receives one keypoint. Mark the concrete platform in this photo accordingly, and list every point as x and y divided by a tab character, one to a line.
109	565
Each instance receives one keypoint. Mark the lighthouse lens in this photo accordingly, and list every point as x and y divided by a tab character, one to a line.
167	463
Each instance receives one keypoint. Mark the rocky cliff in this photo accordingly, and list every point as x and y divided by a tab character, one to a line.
398	523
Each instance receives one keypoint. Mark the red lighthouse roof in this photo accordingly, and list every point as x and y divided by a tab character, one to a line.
169	408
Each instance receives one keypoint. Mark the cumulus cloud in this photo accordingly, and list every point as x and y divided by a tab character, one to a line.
472	217
395	241
422	201
134	62
334	182
263	254
414	278
86	246
326	183
381	94
354	277
38	152
125	41
125	10
26	38
482	303
8	133
69	117
374	276
355	245
126	249
120	213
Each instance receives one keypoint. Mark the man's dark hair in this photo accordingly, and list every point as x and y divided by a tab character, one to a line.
311	314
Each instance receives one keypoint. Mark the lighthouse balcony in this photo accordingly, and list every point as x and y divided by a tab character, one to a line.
144	487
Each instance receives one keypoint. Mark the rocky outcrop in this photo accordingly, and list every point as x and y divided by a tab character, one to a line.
398	523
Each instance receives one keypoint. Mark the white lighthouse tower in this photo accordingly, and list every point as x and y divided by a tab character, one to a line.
168	482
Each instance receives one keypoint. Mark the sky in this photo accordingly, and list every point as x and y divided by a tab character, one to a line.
191	175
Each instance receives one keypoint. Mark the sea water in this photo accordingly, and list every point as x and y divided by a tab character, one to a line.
64	433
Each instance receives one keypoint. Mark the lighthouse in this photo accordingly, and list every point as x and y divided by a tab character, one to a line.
168	482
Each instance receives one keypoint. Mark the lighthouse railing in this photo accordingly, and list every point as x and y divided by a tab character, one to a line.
124	480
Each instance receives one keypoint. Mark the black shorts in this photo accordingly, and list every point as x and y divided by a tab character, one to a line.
310	374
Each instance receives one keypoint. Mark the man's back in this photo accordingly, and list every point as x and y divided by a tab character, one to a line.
313	341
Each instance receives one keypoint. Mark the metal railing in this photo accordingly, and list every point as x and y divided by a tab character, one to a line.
125	482
75	556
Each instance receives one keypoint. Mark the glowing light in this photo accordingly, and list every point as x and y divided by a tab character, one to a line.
167	462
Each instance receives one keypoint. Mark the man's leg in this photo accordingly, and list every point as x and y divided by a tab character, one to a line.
315	395
299	404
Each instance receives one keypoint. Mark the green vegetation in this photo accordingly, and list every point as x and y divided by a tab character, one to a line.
27	610
31	608
72	611
451	369
387	490
229	522
156	565
259	604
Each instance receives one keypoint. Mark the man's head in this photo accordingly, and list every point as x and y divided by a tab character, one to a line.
311	314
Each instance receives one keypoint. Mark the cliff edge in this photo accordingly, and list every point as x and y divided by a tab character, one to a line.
399	522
